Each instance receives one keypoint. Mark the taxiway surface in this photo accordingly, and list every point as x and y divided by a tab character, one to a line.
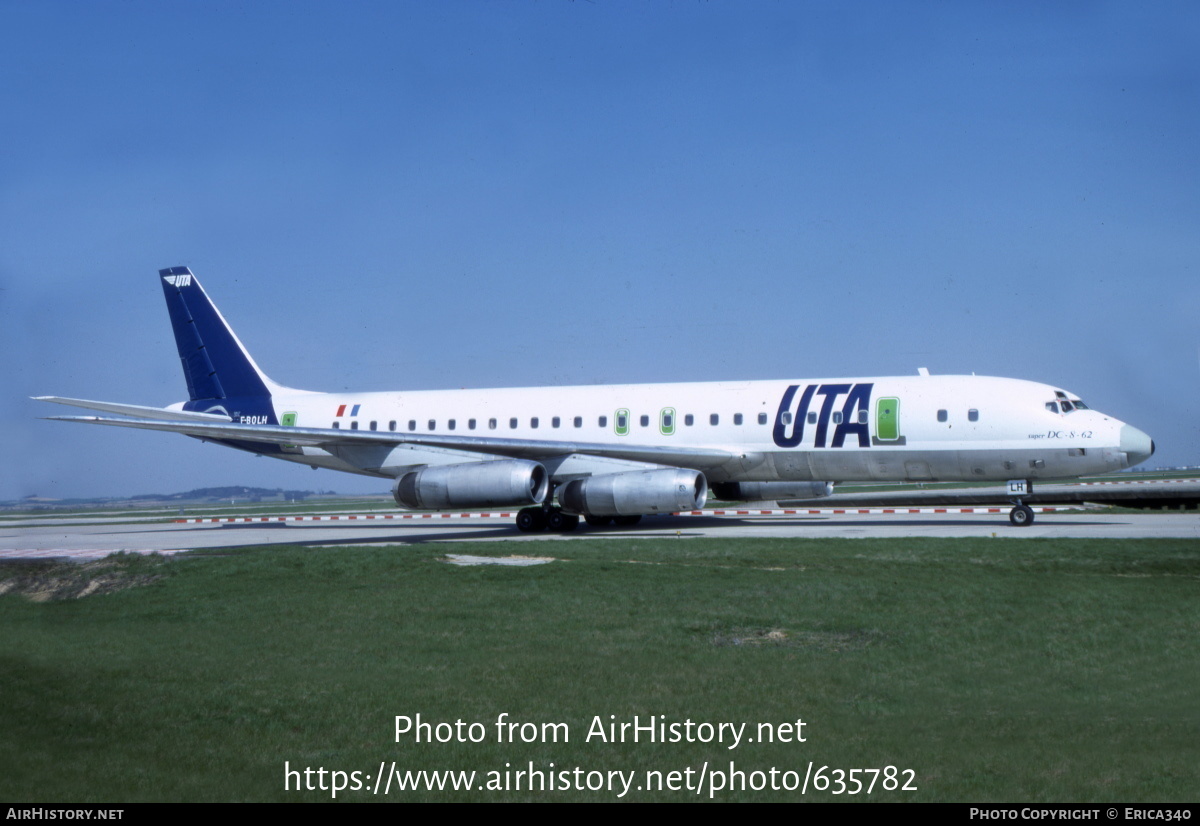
87	541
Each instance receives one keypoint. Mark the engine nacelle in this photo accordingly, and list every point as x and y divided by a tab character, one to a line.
473	485
764	491
635	492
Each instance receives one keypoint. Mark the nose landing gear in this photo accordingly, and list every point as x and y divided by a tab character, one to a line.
1021	515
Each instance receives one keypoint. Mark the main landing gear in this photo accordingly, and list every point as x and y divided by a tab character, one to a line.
530	520
548	518
1021	515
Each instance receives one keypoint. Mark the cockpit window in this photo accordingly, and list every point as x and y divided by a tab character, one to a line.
1067	407
1052	407
1079	405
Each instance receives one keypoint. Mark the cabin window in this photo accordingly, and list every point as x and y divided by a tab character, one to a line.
555	422
862	417
579	421
470	424
622	423
786	418
533	422
433	424
392	426
354	425
602	421
737	418
512	424
337	425
644	421
689	420
412	424
837	417
714	419
943	416
972	415
762	418
491	424
812	418
372	425
668	421
450	424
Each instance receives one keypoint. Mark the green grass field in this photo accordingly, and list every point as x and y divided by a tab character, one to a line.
994	669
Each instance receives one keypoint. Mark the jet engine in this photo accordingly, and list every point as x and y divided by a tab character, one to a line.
635	492
473	485
765	491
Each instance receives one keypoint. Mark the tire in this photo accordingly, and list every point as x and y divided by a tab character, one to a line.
530	520
560	522
1021	516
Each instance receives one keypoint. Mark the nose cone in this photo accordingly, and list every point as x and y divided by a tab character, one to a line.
1136	445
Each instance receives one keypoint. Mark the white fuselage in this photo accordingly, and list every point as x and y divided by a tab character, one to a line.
899	428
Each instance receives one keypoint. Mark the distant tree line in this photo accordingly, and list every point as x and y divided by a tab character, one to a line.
230	492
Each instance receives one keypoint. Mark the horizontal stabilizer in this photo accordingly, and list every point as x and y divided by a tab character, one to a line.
137	411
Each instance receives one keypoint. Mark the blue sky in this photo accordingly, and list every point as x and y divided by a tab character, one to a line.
423	195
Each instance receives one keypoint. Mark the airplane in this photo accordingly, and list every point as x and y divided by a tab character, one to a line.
614	453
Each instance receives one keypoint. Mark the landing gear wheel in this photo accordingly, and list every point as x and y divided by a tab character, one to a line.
1021	516
530	520
626	521
561	522
597	521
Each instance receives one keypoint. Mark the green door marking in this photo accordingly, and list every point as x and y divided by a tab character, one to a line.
621	422
887	419
666	421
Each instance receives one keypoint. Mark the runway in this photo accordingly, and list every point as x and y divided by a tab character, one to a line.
47	538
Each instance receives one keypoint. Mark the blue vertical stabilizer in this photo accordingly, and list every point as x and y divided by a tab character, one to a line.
215	364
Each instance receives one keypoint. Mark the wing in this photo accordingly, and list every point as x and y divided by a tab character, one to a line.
331	439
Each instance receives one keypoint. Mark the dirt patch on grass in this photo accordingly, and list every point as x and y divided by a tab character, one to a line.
51	580
785	638
513	559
